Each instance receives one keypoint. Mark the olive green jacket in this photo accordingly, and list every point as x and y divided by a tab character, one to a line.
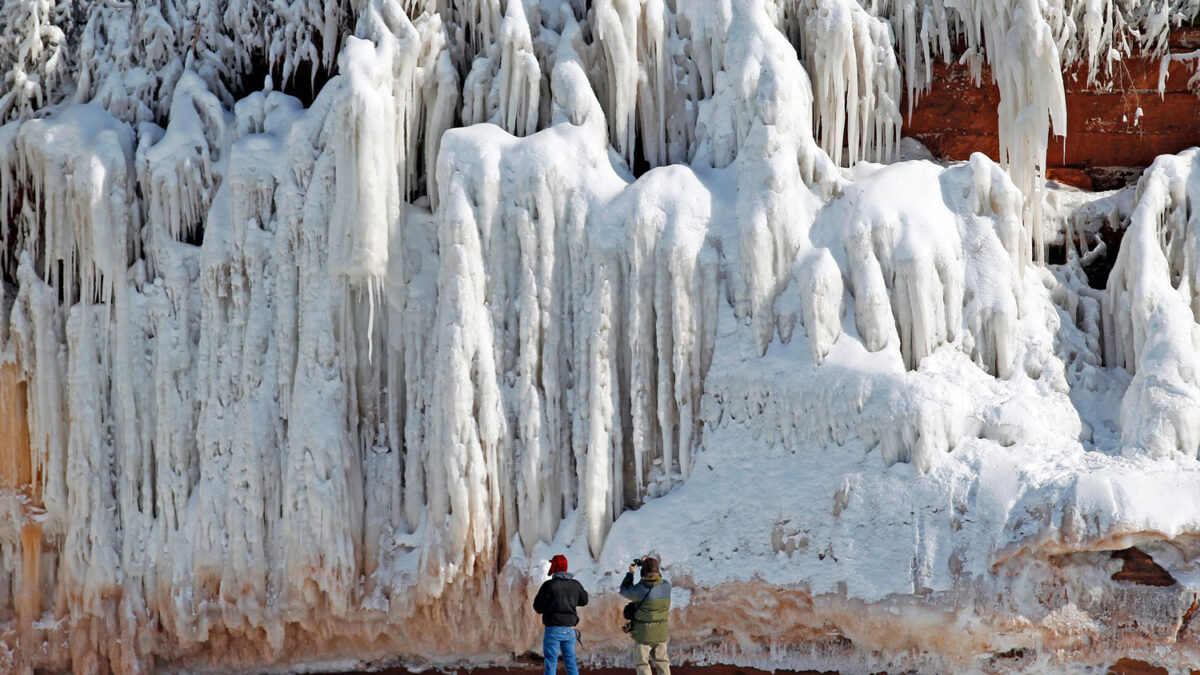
650	624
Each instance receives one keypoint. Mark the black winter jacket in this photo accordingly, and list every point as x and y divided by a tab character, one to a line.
557	599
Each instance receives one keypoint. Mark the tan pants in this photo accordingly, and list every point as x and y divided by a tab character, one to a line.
644	655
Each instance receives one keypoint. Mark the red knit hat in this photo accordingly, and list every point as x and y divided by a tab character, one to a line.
558	564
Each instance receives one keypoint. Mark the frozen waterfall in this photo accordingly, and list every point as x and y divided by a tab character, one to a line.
331	319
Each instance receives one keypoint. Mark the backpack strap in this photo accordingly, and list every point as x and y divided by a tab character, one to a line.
639	605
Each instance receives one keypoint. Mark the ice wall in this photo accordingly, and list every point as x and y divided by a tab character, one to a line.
308	379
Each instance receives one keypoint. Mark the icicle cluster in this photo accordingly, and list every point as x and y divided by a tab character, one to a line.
33	55
852	57
129	56
1028	73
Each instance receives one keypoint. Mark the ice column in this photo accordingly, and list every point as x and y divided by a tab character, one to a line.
1028	71
1152	306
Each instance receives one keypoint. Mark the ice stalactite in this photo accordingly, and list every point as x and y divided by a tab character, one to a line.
435	85
519	247
814	303
370	151
644	74
250	319
912	283
1029	73
657	69
1164	69
297	39
1152	308
672	305
741	90
91	555
1094	32
856	79
994	295
379	341
914	279
617	23
34	56
519	77
922	32
88	202
569	301
131	56
173	308
504	84
247	420
1023	50
77	176
37	332
662	107
602	469
1098	35
321	519
178	167
474	26
391	108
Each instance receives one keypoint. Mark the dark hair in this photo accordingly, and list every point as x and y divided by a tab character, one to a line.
649	566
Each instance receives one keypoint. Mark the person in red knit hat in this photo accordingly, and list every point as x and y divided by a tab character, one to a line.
557	601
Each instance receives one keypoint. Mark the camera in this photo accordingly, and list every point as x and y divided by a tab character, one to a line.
637	561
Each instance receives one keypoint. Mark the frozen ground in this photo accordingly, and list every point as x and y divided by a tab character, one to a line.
329	378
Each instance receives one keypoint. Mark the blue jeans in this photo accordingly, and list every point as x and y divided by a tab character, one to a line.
556	639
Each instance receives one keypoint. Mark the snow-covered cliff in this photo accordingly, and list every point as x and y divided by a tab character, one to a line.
331	321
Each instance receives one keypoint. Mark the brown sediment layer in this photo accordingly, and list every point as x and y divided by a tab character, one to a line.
1124	666
740	622
489	619
1135	667
676	669
752	621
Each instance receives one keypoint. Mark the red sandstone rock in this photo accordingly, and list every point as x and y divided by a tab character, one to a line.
1104	132
1140	568
1134	667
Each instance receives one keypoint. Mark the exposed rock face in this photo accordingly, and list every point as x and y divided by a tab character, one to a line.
20	494
1140	568
1108	141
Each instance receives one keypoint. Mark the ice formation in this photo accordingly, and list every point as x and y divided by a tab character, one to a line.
1152	311
329	320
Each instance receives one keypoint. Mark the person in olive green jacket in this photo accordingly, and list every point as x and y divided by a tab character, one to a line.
650	627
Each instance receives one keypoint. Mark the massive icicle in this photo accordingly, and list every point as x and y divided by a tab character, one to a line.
1151	313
